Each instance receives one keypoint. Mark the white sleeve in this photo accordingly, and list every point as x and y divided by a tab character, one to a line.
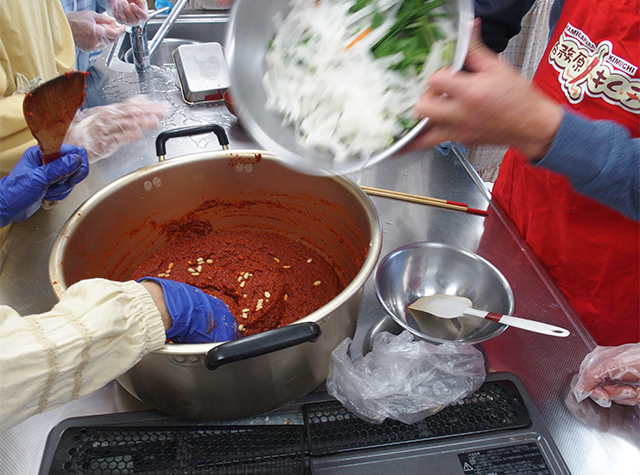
97	331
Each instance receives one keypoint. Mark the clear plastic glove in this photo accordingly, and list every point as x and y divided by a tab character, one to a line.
610	374
102	130
22	191
93	31
129	12
619	420
403	379
197	317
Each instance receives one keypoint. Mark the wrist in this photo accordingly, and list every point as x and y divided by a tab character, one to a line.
157	295
542	130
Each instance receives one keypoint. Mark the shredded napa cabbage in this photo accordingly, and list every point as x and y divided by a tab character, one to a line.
324	80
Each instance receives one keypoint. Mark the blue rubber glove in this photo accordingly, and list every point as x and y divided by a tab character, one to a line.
197	317
163	3
22	191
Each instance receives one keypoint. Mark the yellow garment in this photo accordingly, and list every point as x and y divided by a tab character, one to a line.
35	40
97	331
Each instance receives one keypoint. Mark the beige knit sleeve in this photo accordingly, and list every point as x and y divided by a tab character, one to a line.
97	331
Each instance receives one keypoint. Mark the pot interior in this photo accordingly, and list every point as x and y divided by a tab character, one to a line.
119	227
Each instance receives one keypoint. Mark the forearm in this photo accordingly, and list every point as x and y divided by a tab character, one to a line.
97	331
603	163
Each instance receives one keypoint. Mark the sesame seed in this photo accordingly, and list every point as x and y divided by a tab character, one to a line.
244	296
286	296
209	261
309	261
241	327
242	283
191	270
267	294
286	267
199	268
239	278
276	259
170	266
195	274
317	283
247	275
162	275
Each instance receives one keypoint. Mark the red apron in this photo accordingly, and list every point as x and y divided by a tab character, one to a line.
591	251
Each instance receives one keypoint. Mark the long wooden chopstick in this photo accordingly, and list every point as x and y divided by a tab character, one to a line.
398	195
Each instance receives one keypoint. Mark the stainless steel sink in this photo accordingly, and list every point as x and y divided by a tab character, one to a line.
188	29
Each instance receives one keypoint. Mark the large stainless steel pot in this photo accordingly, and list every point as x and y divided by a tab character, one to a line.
113	231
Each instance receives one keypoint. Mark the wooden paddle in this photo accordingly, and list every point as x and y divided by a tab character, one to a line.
50	108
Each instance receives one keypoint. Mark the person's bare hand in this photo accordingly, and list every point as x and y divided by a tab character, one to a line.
488	103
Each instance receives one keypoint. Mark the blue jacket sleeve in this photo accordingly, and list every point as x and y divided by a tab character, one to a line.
600	159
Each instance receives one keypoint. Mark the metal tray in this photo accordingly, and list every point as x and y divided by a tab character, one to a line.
202	70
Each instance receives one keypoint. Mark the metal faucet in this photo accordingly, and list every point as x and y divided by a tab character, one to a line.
140	47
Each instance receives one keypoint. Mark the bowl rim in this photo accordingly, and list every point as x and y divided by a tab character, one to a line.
440	245
310	159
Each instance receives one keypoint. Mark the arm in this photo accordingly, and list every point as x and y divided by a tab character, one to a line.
97	331
600	159
491	103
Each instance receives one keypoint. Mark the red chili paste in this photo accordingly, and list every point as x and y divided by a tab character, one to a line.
266	279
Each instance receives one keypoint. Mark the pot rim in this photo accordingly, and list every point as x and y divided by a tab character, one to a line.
324	312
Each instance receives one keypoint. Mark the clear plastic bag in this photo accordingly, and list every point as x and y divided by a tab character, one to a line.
403	379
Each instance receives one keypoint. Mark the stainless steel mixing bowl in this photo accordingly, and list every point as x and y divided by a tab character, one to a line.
253	24
426	268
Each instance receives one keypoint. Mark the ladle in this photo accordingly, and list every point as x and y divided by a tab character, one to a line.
453	306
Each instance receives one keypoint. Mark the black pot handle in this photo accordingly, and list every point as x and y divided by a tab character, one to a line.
262	343
163	137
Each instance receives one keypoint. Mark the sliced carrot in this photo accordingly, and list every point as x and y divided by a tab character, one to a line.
362	34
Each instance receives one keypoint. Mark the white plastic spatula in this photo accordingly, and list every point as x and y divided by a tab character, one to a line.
452	306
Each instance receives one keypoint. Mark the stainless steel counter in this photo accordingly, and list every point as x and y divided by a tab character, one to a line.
611	444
